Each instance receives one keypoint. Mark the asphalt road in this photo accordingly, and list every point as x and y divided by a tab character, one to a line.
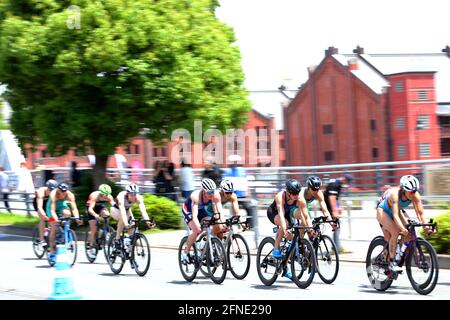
23	276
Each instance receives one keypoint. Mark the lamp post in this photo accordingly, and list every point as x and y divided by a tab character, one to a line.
419	126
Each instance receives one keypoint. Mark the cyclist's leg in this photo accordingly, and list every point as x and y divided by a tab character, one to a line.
52	234
390	231
218	230
115	214
273	216
41	227
92	227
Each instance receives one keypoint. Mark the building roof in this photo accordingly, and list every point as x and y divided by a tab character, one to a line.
367	74
425	62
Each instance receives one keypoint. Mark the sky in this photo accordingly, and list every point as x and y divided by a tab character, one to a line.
279	39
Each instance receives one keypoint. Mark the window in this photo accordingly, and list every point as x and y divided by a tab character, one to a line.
327	129
329	155
400	123
374	153
282	144
373	124
155	152
424	149
422	95
136	149
399	86
423	121
401	150
44	153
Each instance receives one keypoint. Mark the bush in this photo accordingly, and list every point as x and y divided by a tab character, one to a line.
440	240
165	211
83	191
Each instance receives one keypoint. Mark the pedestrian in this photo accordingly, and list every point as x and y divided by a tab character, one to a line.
4	188
25	185
186	179
332	193
238	176
75	175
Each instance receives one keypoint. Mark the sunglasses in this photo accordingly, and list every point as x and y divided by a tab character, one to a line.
229	192
210	192
294	194
412	191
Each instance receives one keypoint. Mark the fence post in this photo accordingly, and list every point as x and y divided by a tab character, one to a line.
27	197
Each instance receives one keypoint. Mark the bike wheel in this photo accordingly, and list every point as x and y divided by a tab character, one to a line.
303	263
238	256
39	250
71	247
377	266
140	254
188	269
115	258
88	246
105	240
266	264
217	261
422	267
327	259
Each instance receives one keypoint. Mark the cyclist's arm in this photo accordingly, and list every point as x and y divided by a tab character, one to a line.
333	203
123	212
395	213
111	200
304	216
40	203
218	205
323	206
73	204
279	200
418	207
92	206
52	199
235	204
140	200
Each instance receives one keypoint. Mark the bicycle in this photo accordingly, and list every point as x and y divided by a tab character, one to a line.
136	248
38	248
299	253
325	251
236	247
66	236
212	254
419	258
101	239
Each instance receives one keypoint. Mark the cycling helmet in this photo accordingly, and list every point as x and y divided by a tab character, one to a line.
227	186
132	188
105	189
314	183
51	184
409	183
63	187
208	185
292	186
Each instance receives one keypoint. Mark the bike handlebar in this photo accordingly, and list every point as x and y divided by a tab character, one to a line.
413	224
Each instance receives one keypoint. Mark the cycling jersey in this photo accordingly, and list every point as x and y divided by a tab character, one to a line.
60	205
204	209
289	209
308	201
44	201
127	203
384	203
99	206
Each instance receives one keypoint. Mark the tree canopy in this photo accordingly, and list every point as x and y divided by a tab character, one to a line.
90	74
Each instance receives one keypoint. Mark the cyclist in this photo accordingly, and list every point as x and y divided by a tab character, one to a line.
96	209
202	204
58	207
226	191
121	211
282	211
390	218
310	193
40	203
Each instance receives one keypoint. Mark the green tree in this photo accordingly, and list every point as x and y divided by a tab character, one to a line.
90	74
2	121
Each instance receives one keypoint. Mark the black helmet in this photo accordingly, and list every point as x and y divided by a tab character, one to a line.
314	183
292	186
63	187
51	184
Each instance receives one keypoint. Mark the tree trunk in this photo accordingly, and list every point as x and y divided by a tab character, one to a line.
100	170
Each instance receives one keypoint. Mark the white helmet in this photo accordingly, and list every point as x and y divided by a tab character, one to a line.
409	183
227	186
208	184
132	188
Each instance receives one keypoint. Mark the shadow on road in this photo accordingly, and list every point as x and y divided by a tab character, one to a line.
30	259
393	290
200	281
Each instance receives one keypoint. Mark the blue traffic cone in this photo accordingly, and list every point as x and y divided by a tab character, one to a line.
63	285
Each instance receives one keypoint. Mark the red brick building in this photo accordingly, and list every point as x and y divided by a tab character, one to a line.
259	134
358	108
